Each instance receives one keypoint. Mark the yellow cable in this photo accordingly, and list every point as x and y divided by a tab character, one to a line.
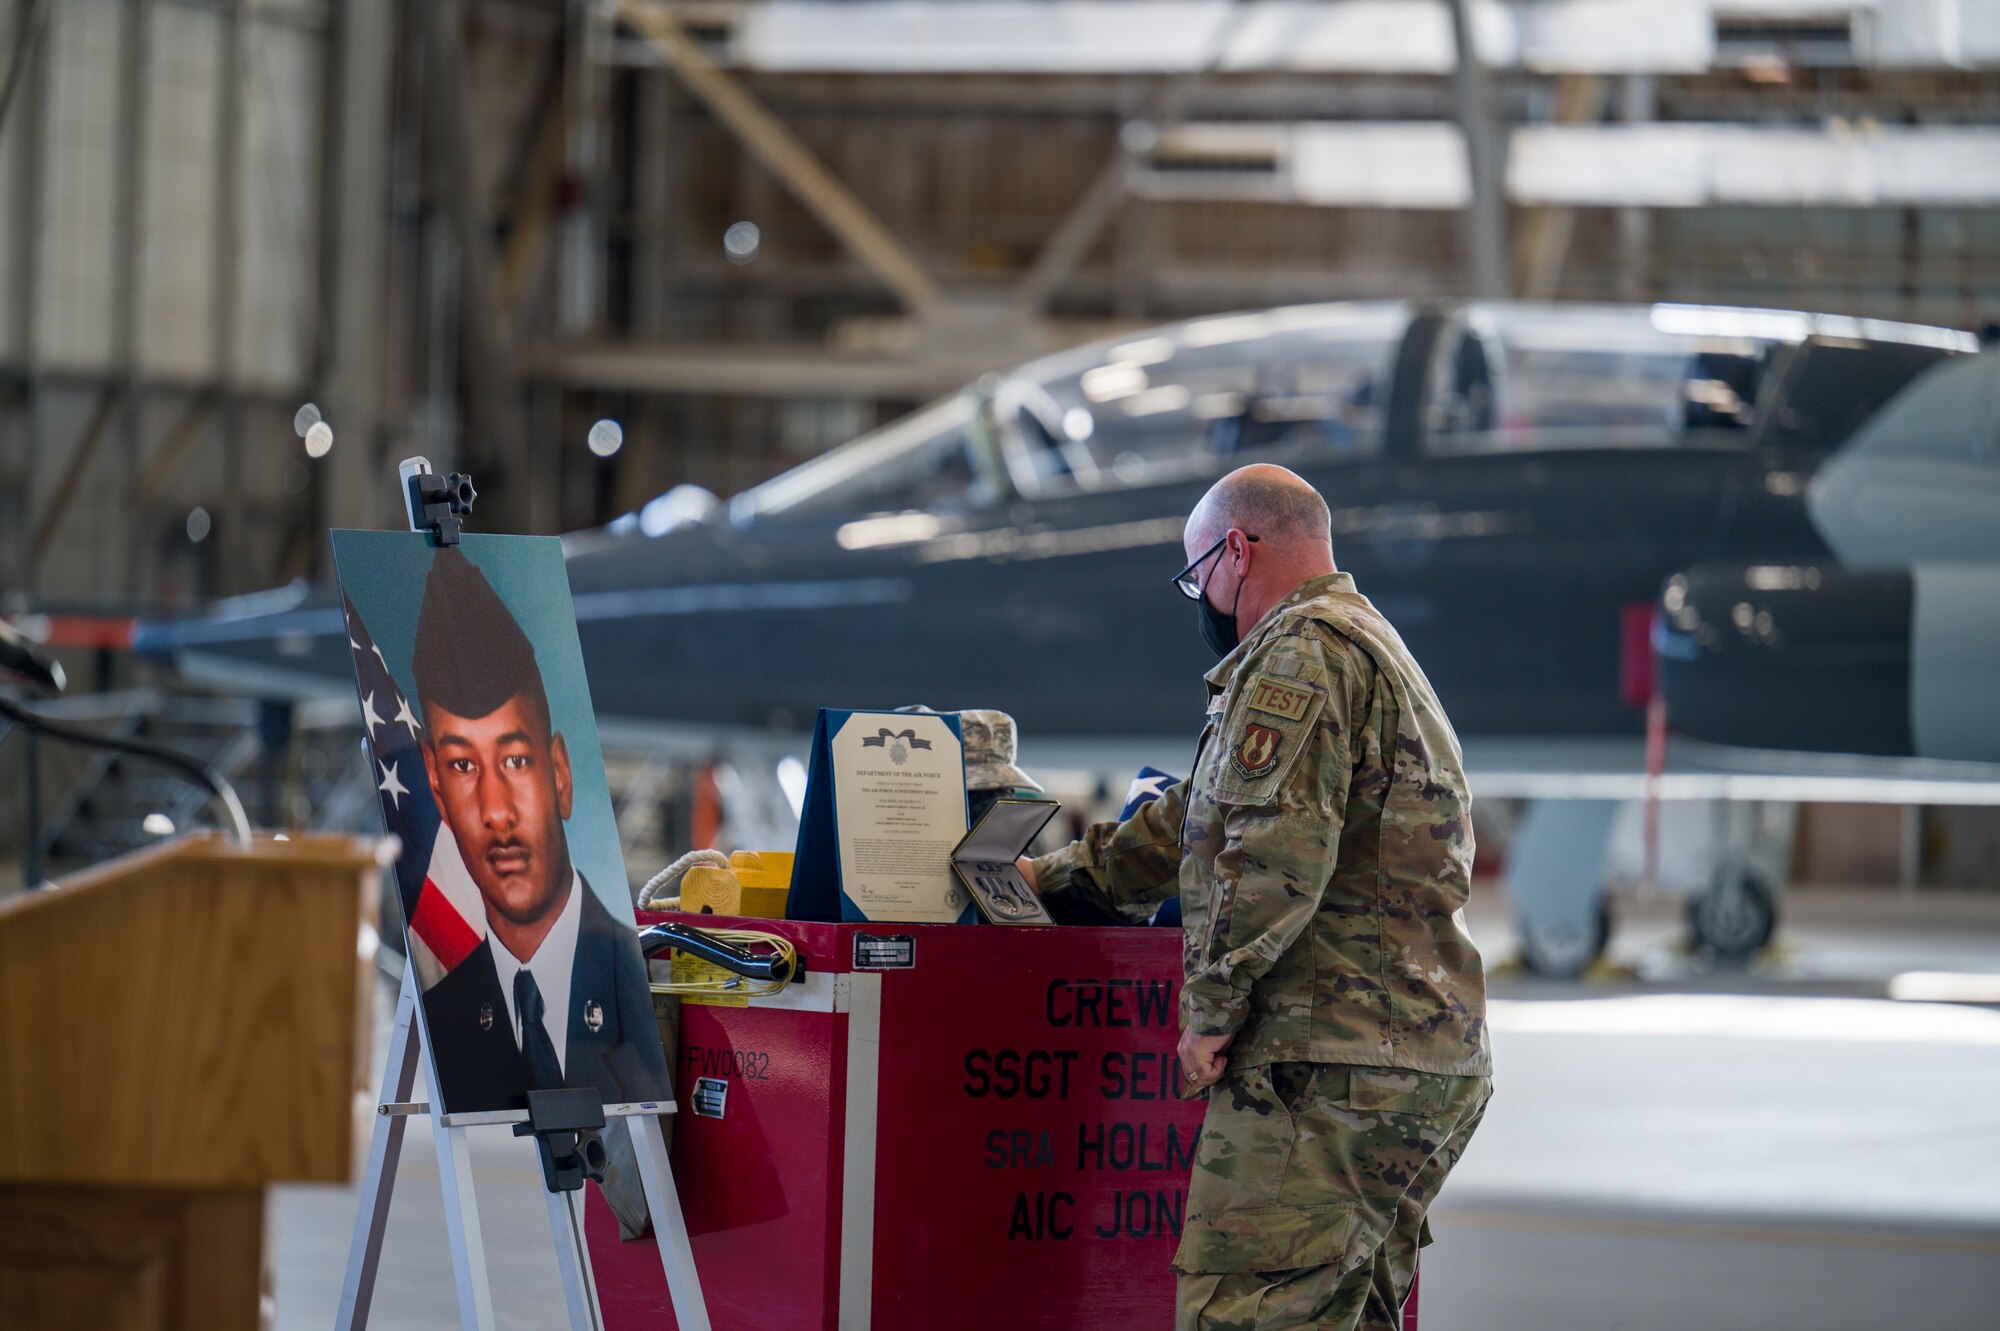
739	985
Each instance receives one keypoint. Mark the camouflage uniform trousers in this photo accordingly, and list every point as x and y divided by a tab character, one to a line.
1307	1201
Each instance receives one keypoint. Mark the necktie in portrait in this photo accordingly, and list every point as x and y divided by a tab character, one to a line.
544	1069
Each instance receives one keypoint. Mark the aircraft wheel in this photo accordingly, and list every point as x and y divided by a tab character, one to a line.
1559	949
1734	919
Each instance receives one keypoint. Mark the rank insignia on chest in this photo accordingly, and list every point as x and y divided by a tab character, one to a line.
1257	752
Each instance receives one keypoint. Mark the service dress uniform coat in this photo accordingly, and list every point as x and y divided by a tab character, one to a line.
613	1043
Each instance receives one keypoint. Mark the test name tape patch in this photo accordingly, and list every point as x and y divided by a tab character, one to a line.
1279	697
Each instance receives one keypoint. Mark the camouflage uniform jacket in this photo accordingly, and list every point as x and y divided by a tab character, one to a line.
1322	849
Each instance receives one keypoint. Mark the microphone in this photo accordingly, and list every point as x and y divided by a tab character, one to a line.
23	660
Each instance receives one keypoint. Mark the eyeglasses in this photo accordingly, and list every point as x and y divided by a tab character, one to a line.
1185	579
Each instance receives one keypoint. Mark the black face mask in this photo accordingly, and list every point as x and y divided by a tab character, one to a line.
1218	629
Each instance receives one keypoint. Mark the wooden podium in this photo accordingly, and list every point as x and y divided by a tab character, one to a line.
179	1028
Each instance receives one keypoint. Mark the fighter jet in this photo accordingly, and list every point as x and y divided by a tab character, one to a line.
1864	674
1889	644
1511	484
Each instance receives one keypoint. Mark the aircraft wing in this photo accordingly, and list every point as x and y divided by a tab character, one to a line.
1615	769
1605	768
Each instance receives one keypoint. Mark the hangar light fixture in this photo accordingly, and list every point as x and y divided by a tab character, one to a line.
741	242
606	438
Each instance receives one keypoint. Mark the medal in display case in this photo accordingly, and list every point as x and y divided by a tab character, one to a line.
985	861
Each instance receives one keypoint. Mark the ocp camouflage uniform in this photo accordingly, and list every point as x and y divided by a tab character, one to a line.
1322	849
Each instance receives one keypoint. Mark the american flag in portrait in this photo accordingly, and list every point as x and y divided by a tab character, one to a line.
446	920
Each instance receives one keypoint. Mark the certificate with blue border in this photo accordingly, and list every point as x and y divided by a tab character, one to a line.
885	803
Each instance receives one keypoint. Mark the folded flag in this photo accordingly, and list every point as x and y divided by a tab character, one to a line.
1149	785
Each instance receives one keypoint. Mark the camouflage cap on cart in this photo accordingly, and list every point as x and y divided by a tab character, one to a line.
990	750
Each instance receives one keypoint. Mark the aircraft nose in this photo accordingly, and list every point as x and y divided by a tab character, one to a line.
1782	655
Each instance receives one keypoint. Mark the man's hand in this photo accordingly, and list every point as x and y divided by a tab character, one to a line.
1202	1062
1027	868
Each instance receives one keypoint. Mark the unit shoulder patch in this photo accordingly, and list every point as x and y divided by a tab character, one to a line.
1280	697
1256	754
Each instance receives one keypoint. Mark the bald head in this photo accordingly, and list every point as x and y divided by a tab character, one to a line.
1255	537
1276	506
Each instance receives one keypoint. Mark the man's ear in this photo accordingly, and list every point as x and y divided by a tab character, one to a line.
1239	549
431	776
559	759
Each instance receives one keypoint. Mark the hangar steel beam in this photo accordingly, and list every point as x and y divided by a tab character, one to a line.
27	186
233	53
33	22
182	439
493	397
752	371
358	213
130	272
1542	246
1637	105
236	47
1100	202
539	193
822	193
1485	218
83	456
1085	221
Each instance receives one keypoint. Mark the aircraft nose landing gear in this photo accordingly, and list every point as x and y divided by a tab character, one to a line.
1726	858
1734	919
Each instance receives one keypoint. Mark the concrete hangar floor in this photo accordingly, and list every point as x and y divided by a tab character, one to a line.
1738	1151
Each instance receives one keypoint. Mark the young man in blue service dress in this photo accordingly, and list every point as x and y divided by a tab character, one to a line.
557	995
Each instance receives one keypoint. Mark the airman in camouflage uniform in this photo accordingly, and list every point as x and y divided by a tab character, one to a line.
1322	849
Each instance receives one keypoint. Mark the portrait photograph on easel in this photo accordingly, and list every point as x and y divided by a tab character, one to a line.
513	887
525	995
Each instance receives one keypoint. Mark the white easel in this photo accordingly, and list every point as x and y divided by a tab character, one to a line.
461	1213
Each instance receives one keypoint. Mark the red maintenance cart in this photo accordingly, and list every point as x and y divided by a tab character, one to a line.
941	1128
